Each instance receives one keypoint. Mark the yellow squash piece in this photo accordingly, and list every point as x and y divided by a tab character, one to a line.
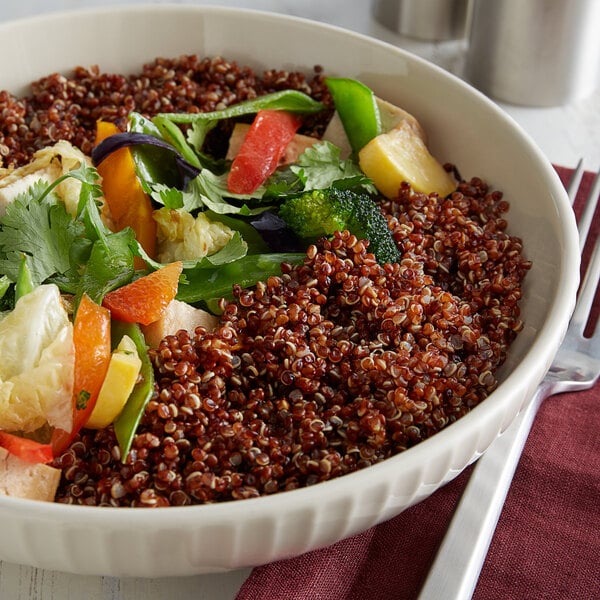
401	155
122	374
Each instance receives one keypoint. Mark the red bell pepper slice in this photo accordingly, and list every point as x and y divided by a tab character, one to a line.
262	149
28	450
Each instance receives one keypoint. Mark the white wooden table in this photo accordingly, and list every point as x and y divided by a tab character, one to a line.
563	133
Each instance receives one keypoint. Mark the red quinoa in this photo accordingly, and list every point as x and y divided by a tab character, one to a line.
332	367
61	107
337	364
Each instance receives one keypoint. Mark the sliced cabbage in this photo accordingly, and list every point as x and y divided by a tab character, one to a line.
182	237
36	363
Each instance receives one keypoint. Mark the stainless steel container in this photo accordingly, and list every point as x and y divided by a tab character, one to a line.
534	52
429	20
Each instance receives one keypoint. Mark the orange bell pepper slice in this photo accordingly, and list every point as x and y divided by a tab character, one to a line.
91	341
129	205
145	299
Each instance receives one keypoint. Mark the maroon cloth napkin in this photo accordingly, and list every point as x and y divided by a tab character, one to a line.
547	544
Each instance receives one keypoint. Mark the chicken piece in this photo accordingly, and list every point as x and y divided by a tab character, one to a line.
27	480
178	315
19	181
293	150
48	164
392	115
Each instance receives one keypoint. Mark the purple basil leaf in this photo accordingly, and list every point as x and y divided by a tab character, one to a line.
275	232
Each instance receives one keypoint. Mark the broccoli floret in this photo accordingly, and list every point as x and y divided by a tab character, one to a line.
317	213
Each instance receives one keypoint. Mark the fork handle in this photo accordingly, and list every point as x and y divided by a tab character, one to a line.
455	570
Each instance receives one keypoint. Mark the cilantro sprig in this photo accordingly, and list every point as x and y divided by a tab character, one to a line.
77	253
320	167
38	227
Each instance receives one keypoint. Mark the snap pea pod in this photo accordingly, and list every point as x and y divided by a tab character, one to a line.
127	422
288	100
292	101
24	283
206	284
357	108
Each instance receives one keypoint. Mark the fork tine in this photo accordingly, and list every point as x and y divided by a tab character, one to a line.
575	181
588	213
589	284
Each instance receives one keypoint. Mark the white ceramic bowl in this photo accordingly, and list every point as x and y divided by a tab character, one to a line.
464	128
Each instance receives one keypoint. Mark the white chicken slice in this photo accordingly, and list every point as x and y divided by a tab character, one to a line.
21	479
48	164
178	315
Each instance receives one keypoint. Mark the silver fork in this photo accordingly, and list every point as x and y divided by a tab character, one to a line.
457	565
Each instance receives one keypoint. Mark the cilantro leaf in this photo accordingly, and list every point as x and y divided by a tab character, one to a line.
40	239
320	167
37	225
211	190
208	191
88	176
282	183
170	197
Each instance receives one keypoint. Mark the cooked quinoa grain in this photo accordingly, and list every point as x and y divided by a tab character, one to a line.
61	107
335	365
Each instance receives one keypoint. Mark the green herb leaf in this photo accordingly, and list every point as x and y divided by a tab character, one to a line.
76	253
208	191
211	190
208	283
320	167
38	225
109	266
82	399
168	196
